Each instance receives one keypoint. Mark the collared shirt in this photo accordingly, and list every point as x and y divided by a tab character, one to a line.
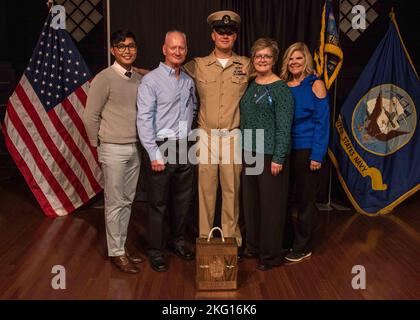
121	70
220	89
166	107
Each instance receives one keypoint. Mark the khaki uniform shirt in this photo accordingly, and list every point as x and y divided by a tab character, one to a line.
220	89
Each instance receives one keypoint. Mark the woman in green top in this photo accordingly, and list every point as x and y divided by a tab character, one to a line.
266	107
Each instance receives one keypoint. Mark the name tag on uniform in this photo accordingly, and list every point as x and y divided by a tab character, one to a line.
239	71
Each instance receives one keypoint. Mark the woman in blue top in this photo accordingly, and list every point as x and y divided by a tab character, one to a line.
310	133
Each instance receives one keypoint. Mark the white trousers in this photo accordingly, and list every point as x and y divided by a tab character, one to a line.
121	167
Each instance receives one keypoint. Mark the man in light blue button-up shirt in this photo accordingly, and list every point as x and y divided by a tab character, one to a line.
166	106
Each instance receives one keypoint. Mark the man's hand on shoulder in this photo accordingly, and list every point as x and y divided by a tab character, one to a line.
141	71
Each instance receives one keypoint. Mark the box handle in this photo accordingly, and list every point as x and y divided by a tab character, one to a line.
211	234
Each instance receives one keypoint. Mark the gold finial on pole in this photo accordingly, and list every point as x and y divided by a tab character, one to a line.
392	14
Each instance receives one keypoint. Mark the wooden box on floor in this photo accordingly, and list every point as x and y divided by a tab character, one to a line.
216	263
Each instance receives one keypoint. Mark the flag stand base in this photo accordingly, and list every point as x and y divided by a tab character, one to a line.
330	206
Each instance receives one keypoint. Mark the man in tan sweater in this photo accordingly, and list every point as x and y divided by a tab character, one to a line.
110	122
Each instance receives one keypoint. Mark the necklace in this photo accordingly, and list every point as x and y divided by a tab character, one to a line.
258	88
261	92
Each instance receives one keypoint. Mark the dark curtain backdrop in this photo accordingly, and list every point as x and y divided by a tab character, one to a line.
286	21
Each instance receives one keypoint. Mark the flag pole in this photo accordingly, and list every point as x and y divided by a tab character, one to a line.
332	205
328	206
334	112
332	127
108	30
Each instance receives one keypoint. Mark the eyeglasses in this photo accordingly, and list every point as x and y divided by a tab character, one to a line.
121	47
261	57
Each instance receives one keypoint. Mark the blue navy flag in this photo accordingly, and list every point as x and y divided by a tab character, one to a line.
43	129
376	143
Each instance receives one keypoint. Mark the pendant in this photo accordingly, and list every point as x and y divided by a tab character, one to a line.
257	92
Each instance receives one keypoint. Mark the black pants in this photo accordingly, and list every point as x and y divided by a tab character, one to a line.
305	181
168	192
264	199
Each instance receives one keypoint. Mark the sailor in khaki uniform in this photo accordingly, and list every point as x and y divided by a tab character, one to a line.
221	80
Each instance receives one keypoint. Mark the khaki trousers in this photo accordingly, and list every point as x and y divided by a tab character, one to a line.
121	167
219	160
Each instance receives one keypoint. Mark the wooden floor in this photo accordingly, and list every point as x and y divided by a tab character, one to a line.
31	244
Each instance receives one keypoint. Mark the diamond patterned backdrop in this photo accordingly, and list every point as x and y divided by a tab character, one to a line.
346	17
82	16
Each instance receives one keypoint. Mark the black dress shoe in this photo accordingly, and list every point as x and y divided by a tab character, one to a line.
158	263
182	251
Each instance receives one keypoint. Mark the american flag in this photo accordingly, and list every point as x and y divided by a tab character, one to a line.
43	129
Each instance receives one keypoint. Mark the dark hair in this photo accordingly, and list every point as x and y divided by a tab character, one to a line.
120	35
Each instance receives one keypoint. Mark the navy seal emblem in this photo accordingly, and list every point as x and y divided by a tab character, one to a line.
384	120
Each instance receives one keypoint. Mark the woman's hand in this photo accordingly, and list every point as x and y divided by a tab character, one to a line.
276	168
314	165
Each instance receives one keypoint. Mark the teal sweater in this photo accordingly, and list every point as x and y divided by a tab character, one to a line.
268	107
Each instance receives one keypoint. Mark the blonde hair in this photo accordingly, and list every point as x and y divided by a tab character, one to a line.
285	75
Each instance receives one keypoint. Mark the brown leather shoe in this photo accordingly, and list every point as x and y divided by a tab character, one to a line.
124	264
132	257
